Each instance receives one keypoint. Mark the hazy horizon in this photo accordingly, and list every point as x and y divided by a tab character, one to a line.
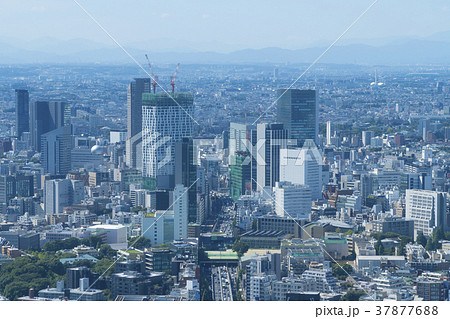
221	27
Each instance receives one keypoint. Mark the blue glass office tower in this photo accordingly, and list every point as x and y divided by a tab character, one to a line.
298	111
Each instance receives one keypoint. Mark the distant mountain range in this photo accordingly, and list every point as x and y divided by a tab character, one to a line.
434	49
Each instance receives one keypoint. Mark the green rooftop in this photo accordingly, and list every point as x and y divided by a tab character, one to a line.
222	255
335	241
164	99
132	251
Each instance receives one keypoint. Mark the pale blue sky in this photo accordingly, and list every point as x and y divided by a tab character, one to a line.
222	25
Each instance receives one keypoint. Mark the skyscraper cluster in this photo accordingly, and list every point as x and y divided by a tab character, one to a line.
285	151
229	209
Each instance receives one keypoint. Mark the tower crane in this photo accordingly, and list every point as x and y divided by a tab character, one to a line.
246	128
172	79
154	77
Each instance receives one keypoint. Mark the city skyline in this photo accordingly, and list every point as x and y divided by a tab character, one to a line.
242	177
286	194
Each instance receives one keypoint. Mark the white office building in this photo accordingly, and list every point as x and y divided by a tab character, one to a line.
153	228
428	209
286	285
60	193
239	138
320	280
303	166
117	136
372	262
116	235
261	287
139	197
83	157
330	132
292	200
367	138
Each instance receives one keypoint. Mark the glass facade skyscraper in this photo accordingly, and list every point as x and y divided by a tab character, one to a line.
22	112
299	112
165	121
136	88
45	117
186	173
240	174
134	104
56	148
271	138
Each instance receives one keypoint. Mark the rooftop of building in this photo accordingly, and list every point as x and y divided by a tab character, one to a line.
264	233
219	255
107	226
135	274
386	257
76	259
332	222
163	99
132	298
335	240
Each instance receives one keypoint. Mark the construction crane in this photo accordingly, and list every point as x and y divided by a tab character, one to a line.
246	128
172	79
154	77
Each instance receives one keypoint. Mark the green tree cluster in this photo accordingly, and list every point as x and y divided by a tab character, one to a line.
433	241
139	242
104	267
37	272
341	270
92	241
106	251
379	248
353	295
72	242
421	239
40	270
404	240
381	236
56	245
240	247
